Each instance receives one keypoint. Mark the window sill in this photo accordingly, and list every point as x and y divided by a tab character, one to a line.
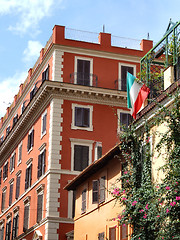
19	162
43	134
90	129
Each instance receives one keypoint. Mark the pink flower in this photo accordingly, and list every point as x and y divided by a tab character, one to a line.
145	216
173	204
141	210
114	219
158	215
167	188
167	210
146	206
124	225
157	186
127	181
162	237
178	198
126	172
124	199
124	191
177	183
134	203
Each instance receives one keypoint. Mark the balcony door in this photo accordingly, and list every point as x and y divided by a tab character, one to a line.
124	70
83	72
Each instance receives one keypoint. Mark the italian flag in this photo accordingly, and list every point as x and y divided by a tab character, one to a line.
136	94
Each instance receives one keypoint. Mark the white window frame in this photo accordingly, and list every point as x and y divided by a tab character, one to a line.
126	65
118	118
40	191
3	171
19	158
98	144
12	155
42	116
90	128
91	67
2	137
30	131
82	142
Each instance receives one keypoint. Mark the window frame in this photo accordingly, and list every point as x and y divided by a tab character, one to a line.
73	126
30	140
5	170
99	190
41	168
2	230
28	175
18	184
76	66
19	158
26	216
43	131
84	201
3	199
121	64
119	111
40	192
98	145
12	162
82	142
11	189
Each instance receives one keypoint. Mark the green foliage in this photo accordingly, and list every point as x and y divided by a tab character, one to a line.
153	211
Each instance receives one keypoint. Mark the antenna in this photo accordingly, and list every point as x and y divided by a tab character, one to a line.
103	28
147	36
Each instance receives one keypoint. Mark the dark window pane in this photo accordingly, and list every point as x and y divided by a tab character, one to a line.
124	70
83	72
81	157
39	207
95	191
83	201
112	233
102	189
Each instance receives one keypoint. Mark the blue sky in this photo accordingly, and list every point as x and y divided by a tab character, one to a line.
26	25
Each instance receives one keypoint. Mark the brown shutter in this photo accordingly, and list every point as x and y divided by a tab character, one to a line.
112	233
102	189
95	192
39	207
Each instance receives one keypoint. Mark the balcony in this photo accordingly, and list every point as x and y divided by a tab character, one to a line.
120	84
85	79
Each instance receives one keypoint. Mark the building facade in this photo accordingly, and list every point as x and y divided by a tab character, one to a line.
56	126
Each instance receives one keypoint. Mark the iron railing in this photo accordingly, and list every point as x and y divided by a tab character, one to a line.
85	79
120	84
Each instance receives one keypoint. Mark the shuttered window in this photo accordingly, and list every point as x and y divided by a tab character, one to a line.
15	226
44	120
11	193
8	231
82	117
81	157
0	176
39	207
15	119
20	153
7	130
28	177
125	120
98	190
2	233
83	72
12	162
3	200
112	233
101	236
30	142
18	179
5	171
41	164
45	74
26	218
124	70
124	232
83	209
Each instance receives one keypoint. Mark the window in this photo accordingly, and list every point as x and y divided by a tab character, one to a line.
8	230
30	143
18	180
83	209
81	154
2	138
15	226
23	107
45	74
124	119
28	177
71	203
124	232
33	92
15	119
19	153
112	233
123	69
7	130
98	193
12	162
11	193
3	200
98	150
83	72
39	207
2	232
41	163
101	236
5	171
26	217
43	123
82	117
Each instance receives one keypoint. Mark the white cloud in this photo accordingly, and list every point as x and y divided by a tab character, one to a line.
29	12
32	51
8	88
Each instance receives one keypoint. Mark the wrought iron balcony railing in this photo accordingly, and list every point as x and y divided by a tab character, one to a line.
84	79
120	84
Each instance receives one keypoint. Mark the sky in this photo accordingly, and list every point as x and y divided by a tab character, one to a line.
26	25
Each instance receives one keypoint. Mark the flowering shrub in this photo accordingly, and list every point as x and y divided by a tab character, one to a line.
153	211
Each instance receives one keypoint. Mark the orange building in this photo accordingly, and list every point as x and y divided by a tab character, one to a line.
96	211
74	93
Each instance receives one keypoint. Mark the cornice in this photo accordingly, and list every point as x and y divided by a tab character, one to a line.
49	90
98	53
